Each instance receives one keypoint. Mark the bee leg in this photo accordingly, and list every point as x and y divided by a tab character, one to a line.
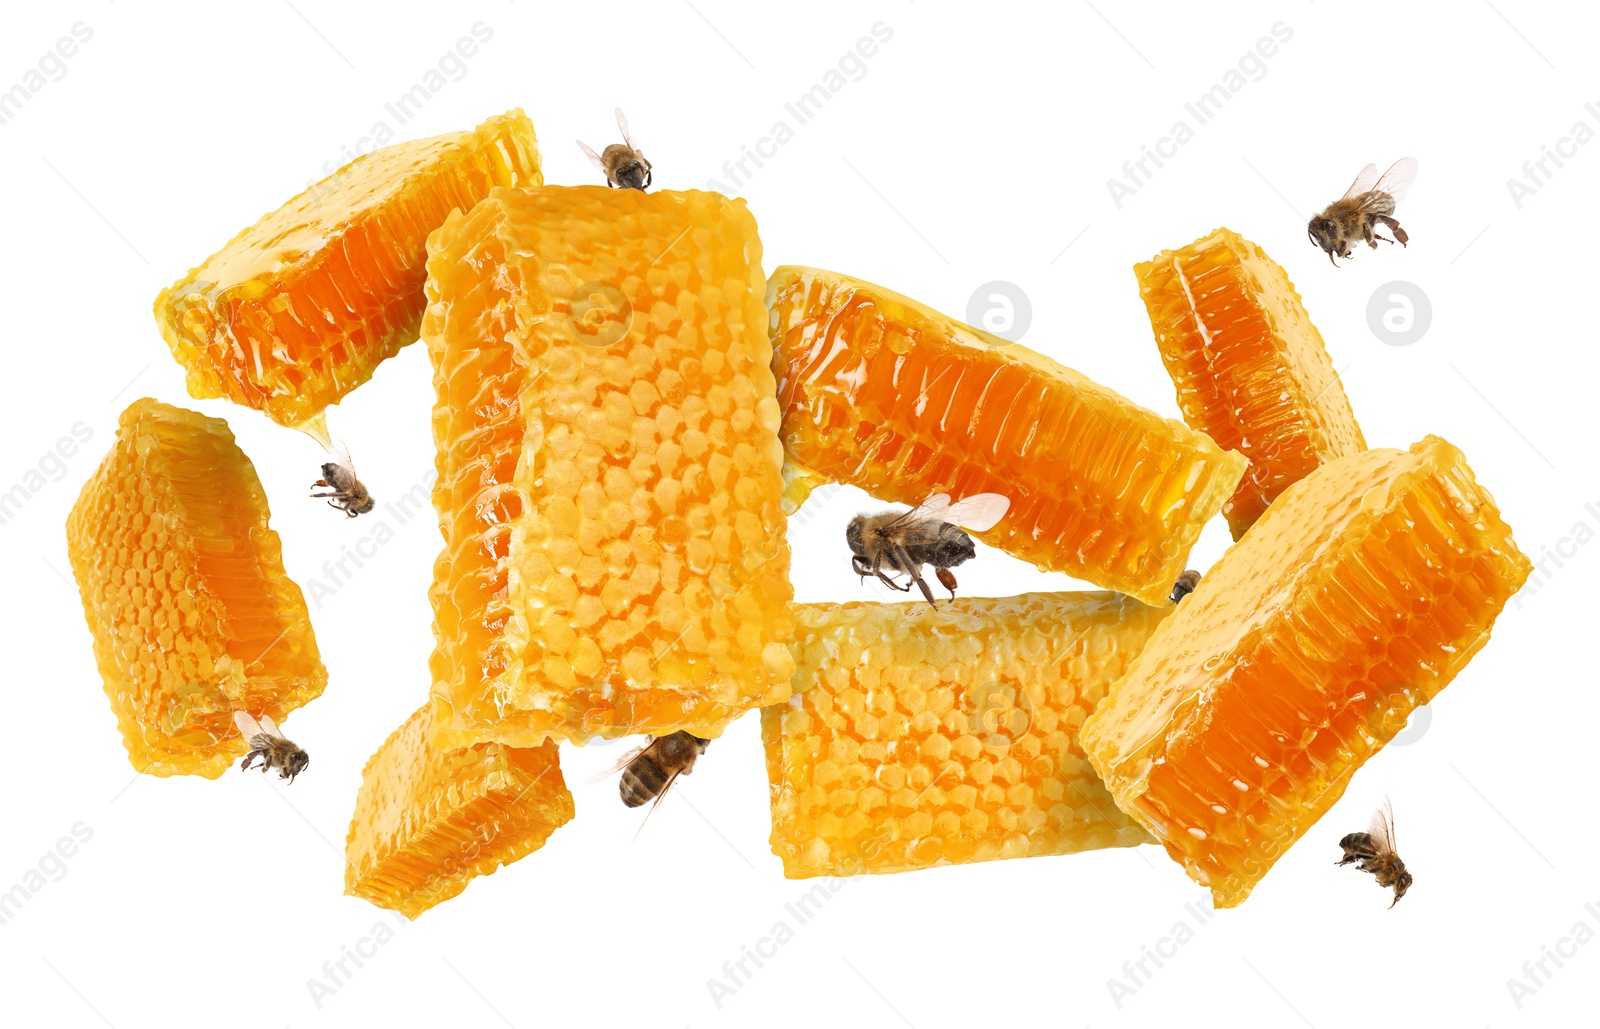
1394	227
878	571
913	569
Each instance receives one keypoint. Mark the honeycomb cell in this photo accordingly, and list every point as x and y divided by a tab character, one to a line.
883	393
1250	368
974	767
301	307
428	820
583	591
1359	594
184	590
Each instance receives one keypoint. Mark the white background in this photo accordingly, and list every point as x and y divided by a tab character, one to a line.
976	147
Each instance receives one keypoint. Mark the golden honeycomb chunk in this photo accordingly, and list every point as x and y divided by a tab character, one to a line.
920	737
1251	370
609	468
428	820
1355	599
184	590
883	393
301	307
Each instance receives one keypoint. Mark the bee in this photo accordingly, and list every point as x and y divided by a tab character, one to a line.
648	772
348	494
267	743
624	163
1374	851
1354	216
930	533
1185	585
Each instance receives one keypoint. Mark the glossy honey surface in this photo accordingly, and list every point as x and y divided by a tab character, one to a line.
185	594
1250	368
428	820
609	468
1360	593
918	738
300	308
880	392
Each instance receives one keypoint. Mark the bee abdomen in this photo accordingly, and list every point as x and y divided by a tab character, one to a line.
642	780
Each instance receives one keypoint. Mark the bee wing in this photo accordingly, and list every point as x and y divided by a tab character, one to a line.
1398	178
931	510
1382	828
657	803
979	512
594	158
249	728
1363	182
627	759
341	454
271	727
622	125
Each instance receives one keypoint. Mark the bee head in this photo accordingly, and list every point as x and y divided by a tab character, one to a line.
296	763
852	535
1321	230
1402	884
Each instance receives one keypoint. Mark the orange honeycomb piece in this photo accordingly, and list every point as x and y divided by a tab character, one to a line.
301	307
918	737
883	393
1354	600
429	821
183	587
609	468
1251	370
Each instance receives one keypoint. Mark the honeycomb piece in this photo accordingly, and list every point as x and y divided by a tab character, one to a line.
183	587
880	392
918	737
1250	368
1354	600
609	468
429	821
301	307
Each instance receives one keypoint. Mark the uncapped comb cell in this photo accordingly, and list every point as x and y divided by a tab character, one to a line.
300	308
1251	370
184	590
883	393
609	468
428	820
920	737
1354	600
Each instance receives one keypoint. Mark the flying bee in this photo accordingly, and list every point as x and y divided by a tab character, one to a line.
1185	585
1369	200
648	772
624	163
267	743
348	494
1373	851
928	534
